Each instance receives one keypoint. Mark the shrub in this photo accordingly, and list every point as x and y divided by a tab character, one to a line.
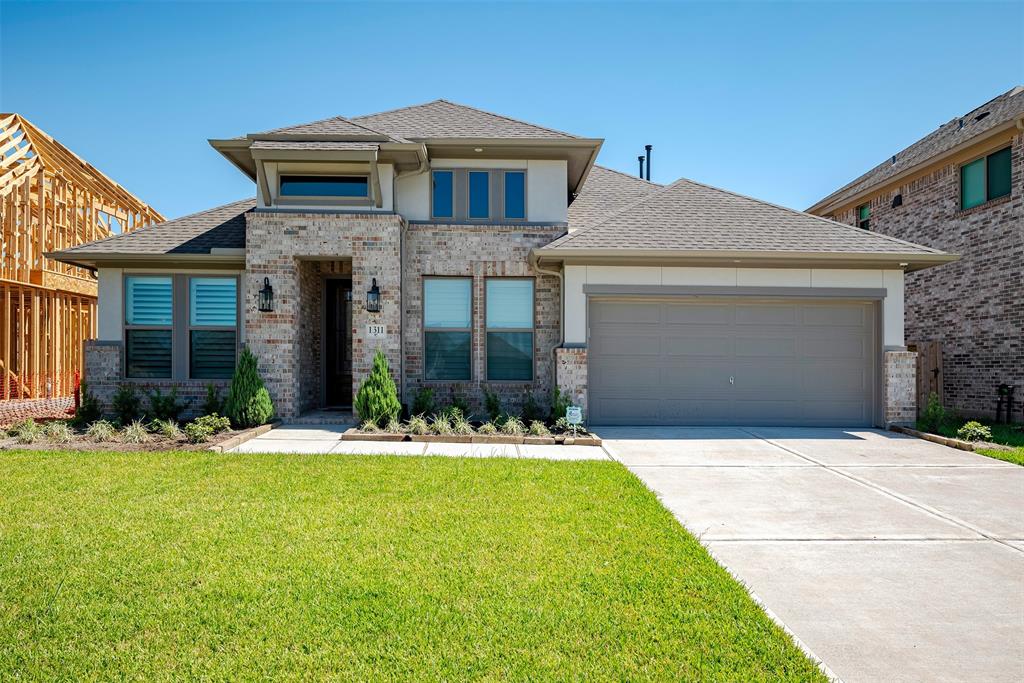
166	428
248	403
215	422
453	413
559	404
461	425
423	402
58	431
163	407
487	428
198	432
88	410
135	432
126	404
492	405
974	431
214	404
934	415
377	399
513	426
531	409
394	427
26	431
441	424
538	428
417	424
561	425
101	430
459	403
370	427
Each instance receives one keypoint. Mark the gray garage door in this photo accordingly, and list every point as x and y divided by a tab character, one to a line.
731	362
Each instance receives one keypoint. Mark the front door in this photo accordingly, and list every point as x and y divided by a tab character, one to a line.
338	343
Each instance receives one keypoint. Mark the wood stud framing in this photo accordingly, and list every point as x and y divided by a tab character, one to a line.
50	199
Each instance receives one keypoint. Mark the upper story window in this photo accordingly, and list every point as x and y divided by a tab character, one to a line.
442	194
479	195
515	195
985	179
447	328
864	216
348	186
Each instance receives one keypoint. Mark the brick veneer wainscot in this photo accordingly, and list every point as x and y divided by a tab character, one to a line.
899	390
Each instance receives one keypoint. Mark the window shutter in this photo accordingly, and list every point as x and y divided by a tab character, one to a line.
214	301
149	301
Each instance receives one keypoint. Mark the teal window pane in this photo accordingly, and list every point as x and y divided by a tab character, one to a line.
510	356
214	301
147	353
999	174
515	194
211	354
443	193
446	355
324	186
510	303
148	300
972	184
479	194
864	212
447	302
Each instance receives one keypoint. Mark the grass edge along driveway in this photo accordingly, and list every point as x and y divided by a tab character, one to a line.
201	565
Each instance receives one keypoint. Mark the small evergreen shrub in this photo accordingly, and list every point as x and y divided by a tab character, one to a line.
487	428
135	432
531	409
513	426
215	422
933	416
559	405
417	425
423	402
101	430
538	428
88	410
168	429
492	405
26	431
974	431
248	403
441	424
377	398
459	403
198	432
58	431
214	404
165	407
126	404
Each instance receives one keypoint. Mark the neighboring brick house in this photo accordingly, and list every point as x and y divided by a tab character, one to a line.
480	252
959	189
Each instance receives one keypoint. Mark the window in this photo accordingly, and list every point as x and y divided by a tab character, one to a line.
149	314
515	195
447	333
864	216
985	179
479	194
443	194
353	186
213	314
510	329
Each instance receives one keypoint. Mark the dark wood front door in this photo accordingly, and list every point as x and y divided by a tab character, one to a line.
338	343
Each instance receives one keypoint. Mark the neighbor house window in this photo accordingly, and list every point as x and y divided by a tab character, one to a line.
349	186
509	303
447	328
149	315
864	216
479	194
212	327
442	194
515	195
985	179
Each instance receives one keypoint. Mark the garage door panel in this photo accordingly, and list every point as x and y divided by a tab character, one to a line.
792	363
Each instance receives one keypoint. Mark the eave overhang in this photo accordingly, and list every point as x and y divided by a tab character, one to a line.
217	258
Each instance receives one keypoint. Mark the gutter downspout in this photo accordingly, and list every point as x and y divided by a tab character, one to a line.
535	263
422	168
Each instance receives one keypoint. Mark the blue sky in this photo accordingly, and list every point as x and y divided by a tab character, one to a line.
782	101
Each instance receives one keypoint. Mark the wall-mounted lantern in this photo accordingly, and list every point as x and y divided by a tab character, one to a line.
265	297
373	298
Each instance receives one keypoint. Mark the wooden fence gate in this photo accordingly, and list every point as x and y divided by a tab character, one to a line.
929	371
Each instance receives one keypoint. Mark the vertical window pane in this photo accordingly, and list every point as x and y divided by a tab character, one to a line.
999	174
479	194
443	191
213	301
446	355
515	194
972	184
447	302
510	303
148	353
148	300
211	354
510	356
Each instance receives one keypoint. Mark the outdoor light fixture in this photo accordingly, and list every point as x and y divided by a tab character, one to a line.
373	298
265	297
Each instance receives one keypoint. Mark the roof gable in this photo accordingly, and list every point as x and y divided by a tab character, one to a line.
442	119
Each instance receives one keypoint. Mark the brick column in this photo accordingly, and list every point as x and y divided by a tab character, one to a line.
900	387
102	370
571	374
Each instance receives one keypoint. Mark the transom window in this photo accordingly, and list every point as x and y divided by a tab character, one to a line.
509	329
447	328
864	216
352	186
985	179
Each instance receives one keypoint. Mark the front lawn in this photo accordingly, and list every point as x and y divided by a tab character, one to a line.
200	565
1002	433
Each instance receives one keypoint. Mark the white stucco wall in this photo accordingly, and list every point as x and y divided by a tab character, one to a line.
578	276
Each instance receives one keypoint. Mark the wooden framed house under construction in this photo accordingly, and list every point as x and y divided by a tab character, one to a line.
50	199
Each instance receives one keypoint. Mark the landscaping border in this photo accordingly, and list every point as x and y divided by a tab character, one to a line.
244	436
945	440
354	434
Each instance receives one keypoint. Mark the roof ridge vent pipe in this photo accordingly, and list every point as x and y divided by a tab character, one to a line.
648	149
641	160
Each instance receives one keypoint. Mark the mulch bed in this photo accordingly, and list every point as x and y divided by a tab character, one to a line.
83	443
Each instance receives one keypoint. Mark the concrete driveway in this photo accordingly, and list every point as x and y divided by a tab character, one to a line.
889	558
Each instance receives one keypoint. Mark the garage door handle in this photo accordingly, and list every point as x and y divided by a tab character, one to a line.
732	380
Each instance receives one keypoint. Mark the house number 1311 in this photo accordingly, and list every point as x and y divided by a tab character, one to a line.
376	331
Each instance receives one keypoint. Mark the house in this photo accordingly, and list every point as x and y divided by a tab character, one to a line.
481	252
958	189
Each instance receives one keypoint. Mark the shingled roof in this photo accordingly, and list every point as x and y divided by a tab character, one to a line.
335	126
444	119
606	192
994	113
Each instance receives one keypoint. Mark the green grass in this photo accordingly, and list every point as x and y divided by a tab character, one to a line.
196	565
1016	455
1002	433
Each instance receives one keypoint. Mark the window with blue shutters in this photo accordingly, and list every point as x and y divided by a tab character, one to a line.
212	334
149	315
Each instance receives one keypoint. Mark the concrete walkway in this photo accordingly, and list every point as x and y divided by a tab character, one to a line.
315	439
888	557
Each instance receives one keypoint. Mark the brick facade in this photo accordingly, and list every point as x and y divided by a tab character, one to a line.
974	306
571	374
899	387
